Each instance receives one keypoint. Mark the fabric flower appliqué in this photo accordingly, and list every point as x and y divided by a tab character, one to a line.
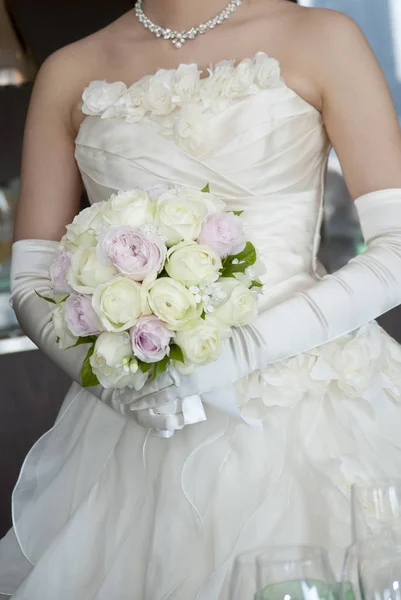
177	102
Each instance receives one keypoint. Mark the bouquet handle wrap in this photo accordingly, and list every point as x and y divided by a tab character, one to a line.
31	261
368	286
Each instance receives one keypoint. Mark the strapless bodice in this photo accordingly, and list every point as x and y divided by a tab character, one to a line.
241	129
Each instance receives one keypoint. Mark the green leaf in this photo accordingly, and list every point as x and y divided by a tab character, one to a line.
143	366
159	367
176	353
256	283
245	259
203	315
88	378
229	270
62	298
248	254
237	212
206	189
45	298
57	339
90	339
225	261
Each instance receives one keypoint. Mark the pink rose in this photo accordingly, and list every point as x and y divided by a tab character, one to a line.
58	272
150	339
223	233
80	317
133	253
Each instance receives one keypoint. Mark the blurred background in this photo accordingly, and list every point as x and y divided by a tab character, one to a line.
31	387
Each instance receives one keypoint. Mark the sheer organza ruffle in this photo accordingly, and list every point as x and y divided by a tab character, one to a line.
112	511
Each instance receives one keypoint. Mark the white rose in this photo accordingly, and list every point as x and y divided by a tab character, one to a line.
158	96
87	272
192	263
202	343
173	303
85	227
64	335
179	218
239	307
212	203
129	105
189	126
266	70
180	213
100	95
118	303
131	207
186	83
113	361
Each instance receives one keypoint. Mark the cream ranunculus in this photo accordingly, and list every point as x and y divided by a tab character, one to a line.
113	361
118	303
173	303
85	227
64	335
87	272
202	343
192	263
132	208
239	307
99	95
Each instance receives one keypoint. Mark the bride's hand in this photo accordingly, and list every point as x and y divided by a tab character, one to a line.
171	385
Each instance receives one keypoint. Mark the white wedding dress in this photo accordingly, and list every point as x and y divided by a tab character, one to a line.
103	508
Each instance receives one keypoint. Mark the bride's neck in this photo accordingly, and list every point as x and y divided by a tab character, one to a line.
182	14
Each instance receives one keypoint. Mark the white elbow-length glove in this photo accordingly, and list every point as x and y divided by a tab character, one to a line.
368	286
30	266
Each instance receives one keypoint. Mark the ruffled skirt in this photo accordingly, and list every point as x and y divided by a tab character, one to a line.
104	509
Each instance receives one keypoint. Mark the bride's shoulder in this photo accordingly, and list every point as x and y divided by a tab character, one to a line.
65	73
324	31
331	44
71	64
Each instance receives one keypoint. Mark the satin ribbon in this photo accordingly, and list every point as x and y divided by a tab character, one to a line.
165	420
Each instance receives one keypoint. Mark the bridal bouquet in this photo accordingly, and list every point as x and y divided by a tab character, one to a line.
150	278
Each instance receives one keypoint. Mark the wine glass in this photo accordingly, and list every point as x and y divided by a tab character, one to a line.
294	573
243	579
376	506
379	568
349	586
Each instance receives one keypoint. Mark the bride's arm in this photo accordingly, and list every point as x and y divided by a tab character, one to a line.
363	126
49	199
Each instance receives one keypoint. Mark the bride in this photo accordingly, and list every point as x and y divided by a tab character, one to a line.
135	496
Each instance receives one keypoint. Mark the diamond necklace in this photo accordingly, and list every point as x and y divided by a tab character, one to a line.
178	38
